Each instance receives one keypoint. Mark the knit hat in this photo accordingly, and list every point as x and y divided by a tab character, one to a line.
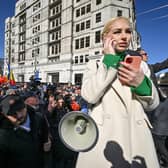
17	105
6	101
28	94
10	104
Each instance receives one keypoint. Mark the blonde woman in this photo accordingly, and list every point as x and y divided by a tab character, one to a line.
119	93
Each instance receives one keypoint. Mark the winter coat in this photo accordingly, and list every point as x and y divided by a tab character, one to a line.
19	148
125	139
159	119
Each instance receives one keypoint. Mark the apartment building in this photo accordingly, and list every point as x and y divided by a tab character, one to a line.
57	37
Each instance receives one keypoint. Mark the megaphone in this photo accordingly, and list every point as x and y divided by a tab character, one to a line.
78	131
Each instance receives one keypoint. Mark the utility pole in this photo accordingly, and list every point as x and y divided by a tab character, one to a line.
35	54
35	61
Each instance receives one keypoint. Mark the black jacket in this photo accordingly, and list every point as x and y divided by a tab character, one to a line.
22	149
154	68
59	150
159	119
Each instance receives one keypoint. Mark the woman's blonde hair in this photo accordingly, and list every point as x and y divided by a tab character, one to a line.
107	26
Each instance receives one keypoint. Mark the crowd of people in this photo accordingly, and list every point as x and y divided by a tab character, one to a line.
29	119
125	102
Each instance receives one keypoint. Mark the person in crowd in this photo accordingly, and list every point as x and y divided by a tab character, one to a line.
81	101
32	100
159	117
2	93
119	93
11	91
74	104
154	68
159	121
62	157
21	136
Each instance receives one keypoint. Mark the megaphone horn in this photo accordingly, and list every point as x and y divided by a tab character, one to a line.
78	131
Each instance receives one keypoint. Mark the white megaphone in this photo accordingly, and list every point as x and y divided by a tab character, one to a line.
78	131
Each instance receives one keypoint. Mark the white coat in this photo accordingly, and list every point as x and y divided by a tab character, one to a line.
125	139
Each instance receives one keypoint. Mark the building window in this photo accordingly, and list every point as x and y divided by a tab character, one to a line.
82	25
88	8
98	2
13	59
87	42
77	44
77	27
86	58
98	17
7	27
55	23
55	77
87	24
97	36
35	52
83	10
22	19
97	52
119	12
77	12
36	18
78	79
23	6
54	49
82	42
22	28
22	47
76	59
55	10
36	6
36	29
13	50
21	57
81	59
55	35
35	40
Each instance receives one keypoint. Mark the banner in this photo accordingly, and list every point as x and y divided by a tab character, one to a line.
12	79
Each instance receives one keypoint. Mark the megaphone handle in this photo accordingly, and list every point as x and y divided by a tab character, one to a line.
80	126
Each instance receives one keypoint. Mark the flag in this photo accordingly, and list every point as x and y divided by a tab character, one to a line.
36	76
12	79
8	71
3	79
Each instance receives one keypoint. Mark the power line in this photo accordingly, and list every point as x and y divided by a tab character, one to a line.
160	17
152	10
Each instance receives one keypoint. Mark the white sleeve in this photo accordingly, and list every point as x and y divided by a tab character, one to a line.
145	68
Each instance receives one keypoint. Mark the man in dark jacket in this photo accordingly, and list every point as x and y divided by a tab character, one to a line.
21	136
154	68
62	157
159	117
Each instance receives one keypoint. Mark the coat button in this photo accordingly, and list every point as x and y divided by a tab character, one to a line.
139	122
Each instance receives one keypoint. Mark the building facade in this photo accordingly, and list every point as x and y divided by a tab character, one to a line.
57	37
